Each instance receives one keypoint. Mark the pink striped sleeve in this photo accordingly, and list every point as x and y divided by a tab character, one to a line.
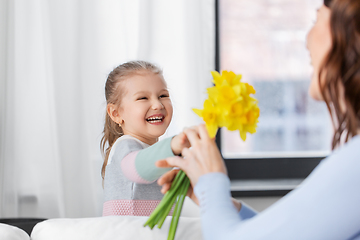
129	170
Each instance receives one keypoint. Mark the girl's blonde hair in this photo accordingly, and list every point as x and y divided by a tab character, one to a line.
113	94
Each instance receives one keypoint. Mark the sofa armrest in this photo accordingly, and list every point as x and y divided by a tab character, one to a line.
9	232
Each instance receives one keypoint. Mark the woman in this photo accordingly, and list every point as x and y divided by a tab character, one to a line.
327	204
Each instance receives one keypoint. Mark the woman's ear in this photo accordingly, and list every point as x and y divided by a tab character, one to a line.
114	114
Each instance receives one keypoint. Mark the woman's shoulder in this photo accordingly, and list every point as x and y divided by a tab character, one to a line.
350	149
346	157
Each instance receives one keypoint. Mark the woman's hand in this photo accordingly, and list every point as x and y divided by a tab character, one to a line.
166	180
203	157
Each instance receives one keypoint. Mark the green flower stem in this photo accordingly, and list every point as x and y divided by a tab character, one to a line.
178	208
154	218
177	193
166	212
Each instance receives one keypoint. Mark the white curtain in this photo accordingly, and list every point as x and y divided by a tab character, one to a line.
55	56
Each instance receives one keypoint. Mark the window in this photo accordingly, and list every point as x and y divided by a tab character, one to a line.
265	41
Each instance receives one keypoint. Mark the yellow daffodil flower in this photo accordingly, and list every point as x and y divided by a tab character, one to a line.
230	105
229	77
210	116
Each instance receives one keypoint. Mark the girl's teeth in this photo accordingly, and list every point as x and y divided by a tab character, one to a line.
155	119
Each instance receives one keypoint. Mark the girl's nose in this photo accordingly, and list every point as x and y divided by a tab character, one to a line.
157	104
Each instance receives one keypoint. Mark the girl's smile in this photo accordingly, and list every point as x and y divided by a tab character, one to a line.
156	119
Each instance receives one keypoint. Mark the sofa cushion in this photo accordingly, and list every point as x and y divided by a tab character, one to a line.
9	232
113	227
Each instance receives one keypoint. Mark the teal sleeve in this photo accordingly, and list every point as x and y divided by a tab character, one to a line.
146	158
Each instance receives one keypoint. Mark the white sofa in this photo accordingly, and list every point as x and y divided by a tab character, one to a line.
104	228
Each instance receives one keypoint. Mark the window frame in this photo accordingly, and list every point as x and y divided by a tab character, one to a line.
266	169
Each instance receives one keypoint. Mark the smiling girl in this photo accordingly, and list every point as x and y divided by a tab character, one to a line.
138	112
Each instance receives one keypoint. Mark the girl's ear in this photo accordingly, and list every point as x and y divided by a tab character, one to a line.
114	114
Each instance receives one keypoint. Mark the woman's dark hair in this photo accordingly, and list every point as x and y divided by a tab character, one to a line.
341	70
327	3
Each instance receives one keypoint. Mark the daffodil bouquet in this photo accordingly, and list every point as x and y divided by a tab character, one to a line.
229	105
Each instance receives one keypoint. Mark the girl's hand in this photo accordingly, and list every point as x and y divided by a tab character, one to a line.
178	143
203	157
166	180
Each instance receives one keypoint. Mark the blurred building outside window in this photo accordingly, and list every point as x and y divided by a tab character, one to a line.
265	41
